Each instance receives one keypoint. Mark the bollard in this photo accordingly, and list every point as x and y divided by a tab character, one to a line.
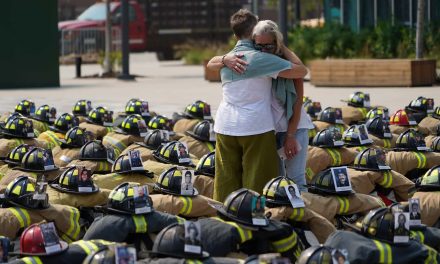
78	62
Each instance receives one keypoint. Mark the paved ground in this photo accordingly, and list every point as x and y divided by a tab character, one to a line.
170	86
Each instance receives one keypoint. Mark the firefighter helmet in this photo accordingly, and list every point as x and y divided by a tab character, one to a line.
312	109
203	131
16	154
402	118
379	224
319	254
198	110
359	99
137	106
93	150
411	140
173	152
430	181
122	199
25	107
75	137
171	182
356	135
275	193
378	127
38	160
133	125
206	165
331	115
19	127
64	122
82	108
75	180
328	138
101	116
45	114
323	182
32	242
379	111
435	144
160	122
123	165
371	159
154	139
20	192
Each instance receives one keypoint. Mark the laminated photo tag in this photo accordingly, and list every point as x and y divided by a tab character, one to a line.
317	107
211	132
430	105
111	155
125	255
386	131
85	184
282	153
142	203
108	118
401	227
414	212
29	128
366	100
294	196
40	189
363	135
145	109
207	112
4	249
187	186
193	237
135	160
340	179
52	114
337	136
89	106
165	135
48	160
182	152
381	160
258	204
340	256
142	126
273	258
338	116
50	237
65	159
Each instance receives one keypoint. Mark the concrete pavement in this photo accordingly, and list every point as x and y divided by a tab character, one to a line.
170	86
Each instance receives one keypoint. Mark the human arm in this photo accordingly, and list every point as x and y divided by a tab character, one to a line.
297	70
232	61
290	143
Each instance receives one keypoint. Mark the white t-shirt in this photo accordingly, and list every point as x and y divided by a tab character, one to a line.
280	118
246	107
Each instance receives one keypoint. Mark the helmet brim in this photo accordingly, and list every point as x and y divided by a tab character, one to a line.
158	188
52	128
6	133
29	170
117	211
64	247
411	149
145	145
191	134
185	256
317	190
221	210
368	169
204	173
159	158
145	172
64	144
57	187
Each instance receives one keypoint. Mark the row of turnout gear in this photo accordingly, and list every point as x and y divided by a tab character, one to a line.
201	140
70	146
58	130
94	156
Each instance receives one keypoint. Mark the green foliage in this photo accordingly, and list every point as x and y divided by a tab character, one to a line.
115	60
383	41
196	52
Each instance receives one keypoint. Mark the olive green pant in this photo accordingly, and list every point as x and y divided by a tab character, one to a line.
244	161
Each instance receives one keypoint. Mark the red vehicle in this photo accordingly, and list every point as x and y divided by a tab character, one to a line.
94	17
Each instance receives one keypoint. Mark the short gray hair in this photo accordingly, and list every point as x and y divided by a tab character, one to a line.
269	27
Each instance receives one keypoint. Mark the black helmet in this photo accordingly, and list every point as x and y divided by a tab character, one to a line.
70	181
93	150
436	113
435	144
198	110
20	192
25	107
45	114
241	206
206	165
159	122
173	152
356	135
430	181
328	138
106	254
75	137
331	115
312	108
317	255
10	117
378	127
137	106
379	224
323	184
121	199
170	242
38	160
202	131
101	116
421	104
154	139
19	127
379	111
64	122
16	155
82	108
170	182
133	125
359	99
371	159
123	165
275	193
411	140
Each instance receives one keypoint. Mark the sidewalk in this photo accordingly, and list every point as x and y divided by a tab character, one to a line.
170	86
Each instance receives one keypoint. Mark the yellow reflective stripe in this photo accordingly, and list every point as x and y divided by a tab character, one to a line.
191	261
432	256
285	244
385	255
309	173
74	227
387	180
18	142
297	214
32	260
53	138
344	204
109	129
87	246
210	146
22	216
245	234
363	112
140	223
386	143
187	205
418	235
115	143
421	159
340	127
180	220
336	156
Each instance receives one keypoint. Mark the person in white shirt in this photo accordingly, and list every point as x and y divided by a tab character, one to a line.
245	140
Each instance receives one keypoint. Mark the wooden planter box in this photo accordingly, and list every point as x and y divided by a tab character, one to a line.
210	75
373	72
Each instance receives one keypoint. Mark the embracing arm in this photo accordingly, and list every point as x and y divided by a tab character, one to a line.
231	61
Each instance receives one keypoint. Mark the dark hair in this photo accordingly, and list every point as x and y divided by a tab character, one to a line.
242	23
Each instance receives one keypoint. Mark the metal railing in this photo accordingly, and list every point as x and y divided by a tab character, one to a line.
88	42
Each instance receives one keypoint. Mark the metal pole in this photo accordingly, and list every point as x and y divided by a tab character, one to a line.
255	7
108	39
419	29
125	75
282	13
298	12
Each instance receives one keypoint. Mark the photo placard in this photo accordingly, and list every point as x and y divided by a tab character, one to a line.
294	196
341	179
193	241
